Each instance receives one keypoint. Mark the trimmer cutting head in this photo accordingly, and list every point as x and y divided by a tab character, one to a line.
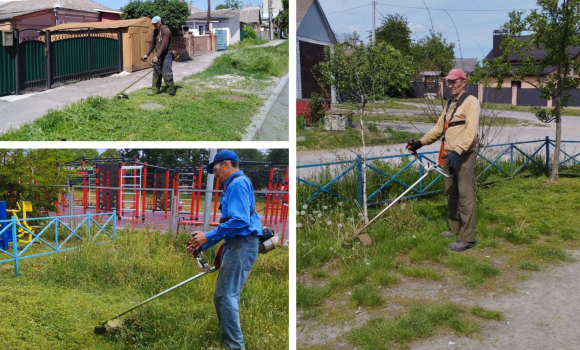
110	325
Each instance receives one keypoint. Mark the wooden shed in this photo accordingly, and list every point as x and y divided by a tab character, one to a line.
136	33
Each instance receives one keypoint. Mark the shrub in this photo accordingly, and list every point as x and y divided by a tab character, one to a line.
316	108
250	32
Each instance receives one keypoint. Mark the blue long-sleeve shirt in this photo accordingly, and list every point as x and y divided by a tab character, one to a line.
236	204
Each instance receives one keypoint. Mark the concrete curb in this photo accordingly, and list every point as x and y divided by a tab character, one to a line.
259	119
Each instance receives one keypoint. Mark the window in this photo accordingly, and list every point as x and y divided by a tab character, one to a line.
518	84
202	29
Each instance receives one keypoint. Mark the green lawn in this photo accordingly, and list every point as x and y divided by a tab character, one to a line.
247	43
492	121
518	233
195	113
58	299
320	139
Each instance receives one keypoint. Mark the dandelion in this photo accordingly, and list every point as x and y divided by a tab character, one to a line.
339	225
298	225
331	249
329	223
319	215
304	206
325	207
351	219
302	212
414	236
360	215
340	204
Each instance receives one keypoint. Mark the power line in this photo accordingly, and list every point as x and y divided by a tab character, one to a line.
354	8
453	10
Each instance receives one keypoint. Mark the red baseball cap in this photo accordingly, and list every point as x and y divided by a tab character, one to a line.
455	74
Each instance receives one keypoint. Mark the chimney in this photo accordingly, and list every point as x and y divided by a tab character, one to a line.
498	36
353	42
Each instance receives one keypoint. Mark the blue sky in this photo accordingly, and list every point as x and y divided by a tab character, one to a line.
475	28
201	4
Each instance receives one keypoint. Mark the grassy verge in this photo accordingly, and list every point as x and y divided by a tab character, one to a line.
247	42
495	121
320	139
59	298
518	233
195	113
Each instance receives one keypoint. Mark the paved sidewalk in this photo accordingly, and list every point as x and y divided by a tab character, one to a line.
276	125
18	110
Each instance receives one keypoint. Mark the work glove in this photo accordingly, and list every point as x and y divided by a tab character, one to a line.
413	145
144	58
155	60
453	159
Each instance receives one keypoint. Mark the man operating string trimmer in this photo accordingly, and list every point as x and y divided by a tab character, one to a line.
458	127
240	228
163	58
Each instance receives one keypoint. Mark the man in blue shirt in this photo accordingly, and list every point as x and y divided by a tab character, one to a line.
239	228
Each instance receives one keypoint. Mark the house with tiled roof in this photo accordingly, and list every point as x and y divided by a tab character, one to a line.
41	14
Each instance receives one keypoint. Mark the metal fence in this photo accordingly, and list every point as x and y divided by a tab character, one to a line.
38	59
93	227
515	157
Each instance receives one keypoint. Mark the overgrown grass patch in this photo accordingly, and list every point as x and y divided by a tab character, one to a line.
270	60
487	314
474	272
421	272
311	297
420	322
316	138
367	295
64	295
529	266
247	42
549	254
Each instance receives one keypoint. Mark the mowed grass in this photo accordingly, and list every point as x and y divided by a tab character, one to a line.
58	299
519	233
194	114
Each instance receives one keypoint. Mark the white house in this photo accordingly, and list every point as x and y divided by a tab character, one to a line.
228	19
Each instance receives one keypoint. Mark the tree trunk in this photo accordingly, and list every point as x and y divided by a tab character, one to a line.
556	161
364	161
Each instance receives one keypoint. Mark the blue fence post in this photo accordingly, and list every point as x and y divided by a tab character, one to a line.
511	159
114	219
88	226
56	235
15	245
360	180
4	217
548	153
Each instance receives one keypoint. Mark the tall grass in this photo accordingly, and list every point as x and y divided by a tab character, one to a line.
68	293
272	60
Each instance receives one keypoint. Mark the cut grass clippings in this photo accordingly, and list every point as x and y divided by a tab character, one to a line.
57	299
193	114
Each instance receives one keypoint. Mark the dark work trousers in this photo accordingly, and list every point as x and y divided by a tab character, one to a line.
163	70
460	191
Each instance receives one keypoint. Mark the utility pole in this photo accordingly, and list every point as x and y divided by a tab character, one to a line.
270	12
208	13
374	26
208	195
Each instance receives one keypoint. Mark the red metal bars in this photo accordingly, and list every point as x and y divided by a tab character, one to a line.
215	203
268	195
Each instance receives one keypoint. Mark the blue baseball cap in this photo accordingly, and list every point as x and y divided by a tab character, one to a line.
220	157
156	19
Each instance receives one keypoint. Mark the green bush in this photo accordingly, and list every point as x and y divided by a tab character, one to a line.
250	33
316	108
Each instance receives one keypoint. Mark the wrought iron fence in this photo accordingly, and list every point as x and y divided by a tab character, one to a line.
515	160
104	224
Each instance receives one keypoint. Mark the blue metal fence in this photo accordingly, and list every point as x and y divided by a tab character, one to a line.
502	151
107	226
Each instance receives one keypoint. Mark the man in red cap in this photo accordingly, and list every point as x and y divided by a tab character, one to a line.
458	126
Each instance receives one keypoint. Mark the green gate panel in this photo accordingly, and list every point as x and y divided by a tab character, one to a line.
7	58
221	39
70	57
32	64
242	34
104	53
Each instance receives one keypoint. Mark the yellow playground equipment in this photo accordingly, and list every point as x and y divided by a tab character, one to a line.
23	235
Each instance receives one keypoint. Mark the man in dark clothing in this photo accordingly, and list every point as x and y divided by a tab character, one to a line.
163	58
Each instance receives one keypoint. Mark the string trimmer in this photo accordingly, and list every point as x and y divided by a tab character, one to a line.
361	234
122	94
268	242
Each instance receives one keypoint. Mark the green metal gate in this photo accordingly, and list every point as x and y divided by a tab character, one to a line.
7	57
70	55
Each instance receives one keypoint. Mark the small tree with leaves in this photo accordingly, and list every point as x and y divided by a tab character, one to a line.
173	13
361	72
230	4
555	28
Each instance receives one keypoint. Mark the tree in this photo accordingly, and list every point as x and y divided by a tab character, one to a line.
230	4
394	30
173	13
433	53
360	73
282	19
278	156
554	29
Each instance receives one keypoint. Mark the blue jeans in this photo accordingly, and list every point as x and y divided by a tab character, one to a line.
238	258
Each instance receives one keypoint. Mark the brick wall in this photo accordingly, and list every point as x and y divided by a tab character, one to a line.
202	44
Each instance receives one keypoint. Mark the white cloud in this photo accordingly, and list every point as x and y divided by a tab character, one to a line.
417	28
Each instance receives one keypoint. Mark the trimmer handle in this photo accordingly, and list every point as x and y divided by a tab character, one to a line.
409	147
200	258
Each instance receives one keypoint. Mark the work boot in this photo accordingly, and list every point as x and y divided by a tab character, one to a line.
460	246
170	87
448	234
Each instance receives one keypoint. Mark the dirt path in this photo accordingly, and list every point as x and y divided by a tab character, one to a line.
543	314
